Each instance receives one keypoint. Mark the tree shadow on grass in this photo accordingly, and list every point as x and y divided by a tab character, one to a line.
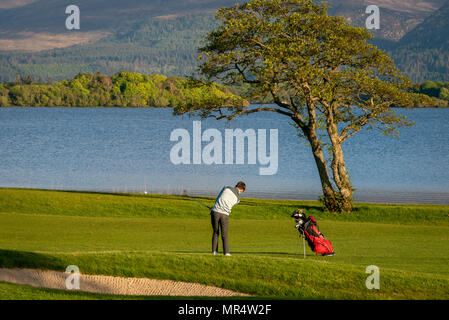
31	260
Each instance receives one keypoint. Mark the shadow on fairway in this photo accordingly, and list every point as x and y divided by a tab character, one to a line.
285	254
304	204
22	259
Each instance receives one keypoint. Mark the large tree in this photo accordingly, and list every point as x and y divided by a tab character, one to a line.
319	71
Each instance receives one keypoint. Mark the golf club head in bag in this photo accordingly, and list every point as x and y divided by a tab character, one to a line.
300	219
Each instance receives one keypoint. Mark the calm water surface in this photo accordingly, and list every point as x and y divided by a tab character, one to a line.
128	150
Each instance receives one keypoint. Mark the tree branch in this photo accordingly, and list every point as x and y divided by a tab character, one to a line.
230	117
242	73
356	126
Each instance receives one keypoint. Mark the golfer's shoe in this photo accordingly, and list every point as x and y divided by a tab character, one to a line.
215	253
329	254
227	254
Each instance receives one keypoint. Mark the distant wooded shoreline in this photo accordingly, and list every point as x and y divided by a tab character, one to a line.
129	89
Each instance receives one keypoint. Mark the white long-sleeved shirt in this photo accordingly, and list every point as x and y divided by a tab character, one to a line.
227	198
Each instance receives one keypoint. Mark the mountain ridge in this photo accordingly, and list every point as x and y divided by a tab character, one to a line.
162	36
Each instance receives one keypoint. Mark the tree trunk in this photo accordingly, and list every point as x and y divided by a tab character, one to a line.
329	194
340	201
331	199
341	179
340	175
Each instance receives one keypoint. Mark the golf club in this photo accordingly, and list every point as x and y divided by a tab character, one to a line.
185	194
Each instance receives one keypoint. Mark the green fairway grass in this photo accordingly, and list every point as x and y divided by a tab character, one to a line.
167	206
168	237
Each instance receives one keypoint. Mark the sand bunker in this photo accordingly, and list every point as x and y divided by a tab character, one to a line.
113	285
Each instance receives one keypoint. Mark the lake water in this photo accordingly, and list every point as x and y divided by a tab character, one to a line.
128	150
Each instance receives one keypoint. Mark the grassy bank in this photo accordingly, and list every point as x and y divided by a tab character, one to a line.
262	276
168	237
90	204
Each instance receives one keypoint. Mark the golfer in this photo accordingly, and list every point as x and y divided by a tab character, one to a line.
219	214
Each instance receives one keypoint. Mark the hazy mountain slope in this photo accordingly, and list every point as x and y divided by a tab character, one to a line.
7	4
409	5
166	46
162	35
432	33
397	16
423	53
49	15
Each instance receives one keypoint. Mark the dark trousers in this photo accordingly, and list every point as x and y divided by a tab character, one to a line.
220	221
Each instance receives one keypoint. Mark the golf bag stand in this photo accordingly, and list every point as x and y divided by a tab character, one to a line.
303	236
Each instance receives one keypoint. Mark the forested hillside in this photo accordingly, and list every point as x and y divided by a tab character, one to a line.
165	46
423	53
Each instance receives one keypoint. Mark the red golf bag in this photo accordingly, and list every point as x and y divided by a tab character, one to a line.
308	227
315	238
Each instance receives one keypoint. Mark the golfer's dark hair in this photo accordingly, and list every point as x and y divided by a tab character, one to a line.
241	185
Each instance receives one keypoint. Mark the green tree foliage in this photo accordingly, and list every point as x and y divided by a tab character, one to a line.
438	90
444	94
4	101
430	88
321	73
124	89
